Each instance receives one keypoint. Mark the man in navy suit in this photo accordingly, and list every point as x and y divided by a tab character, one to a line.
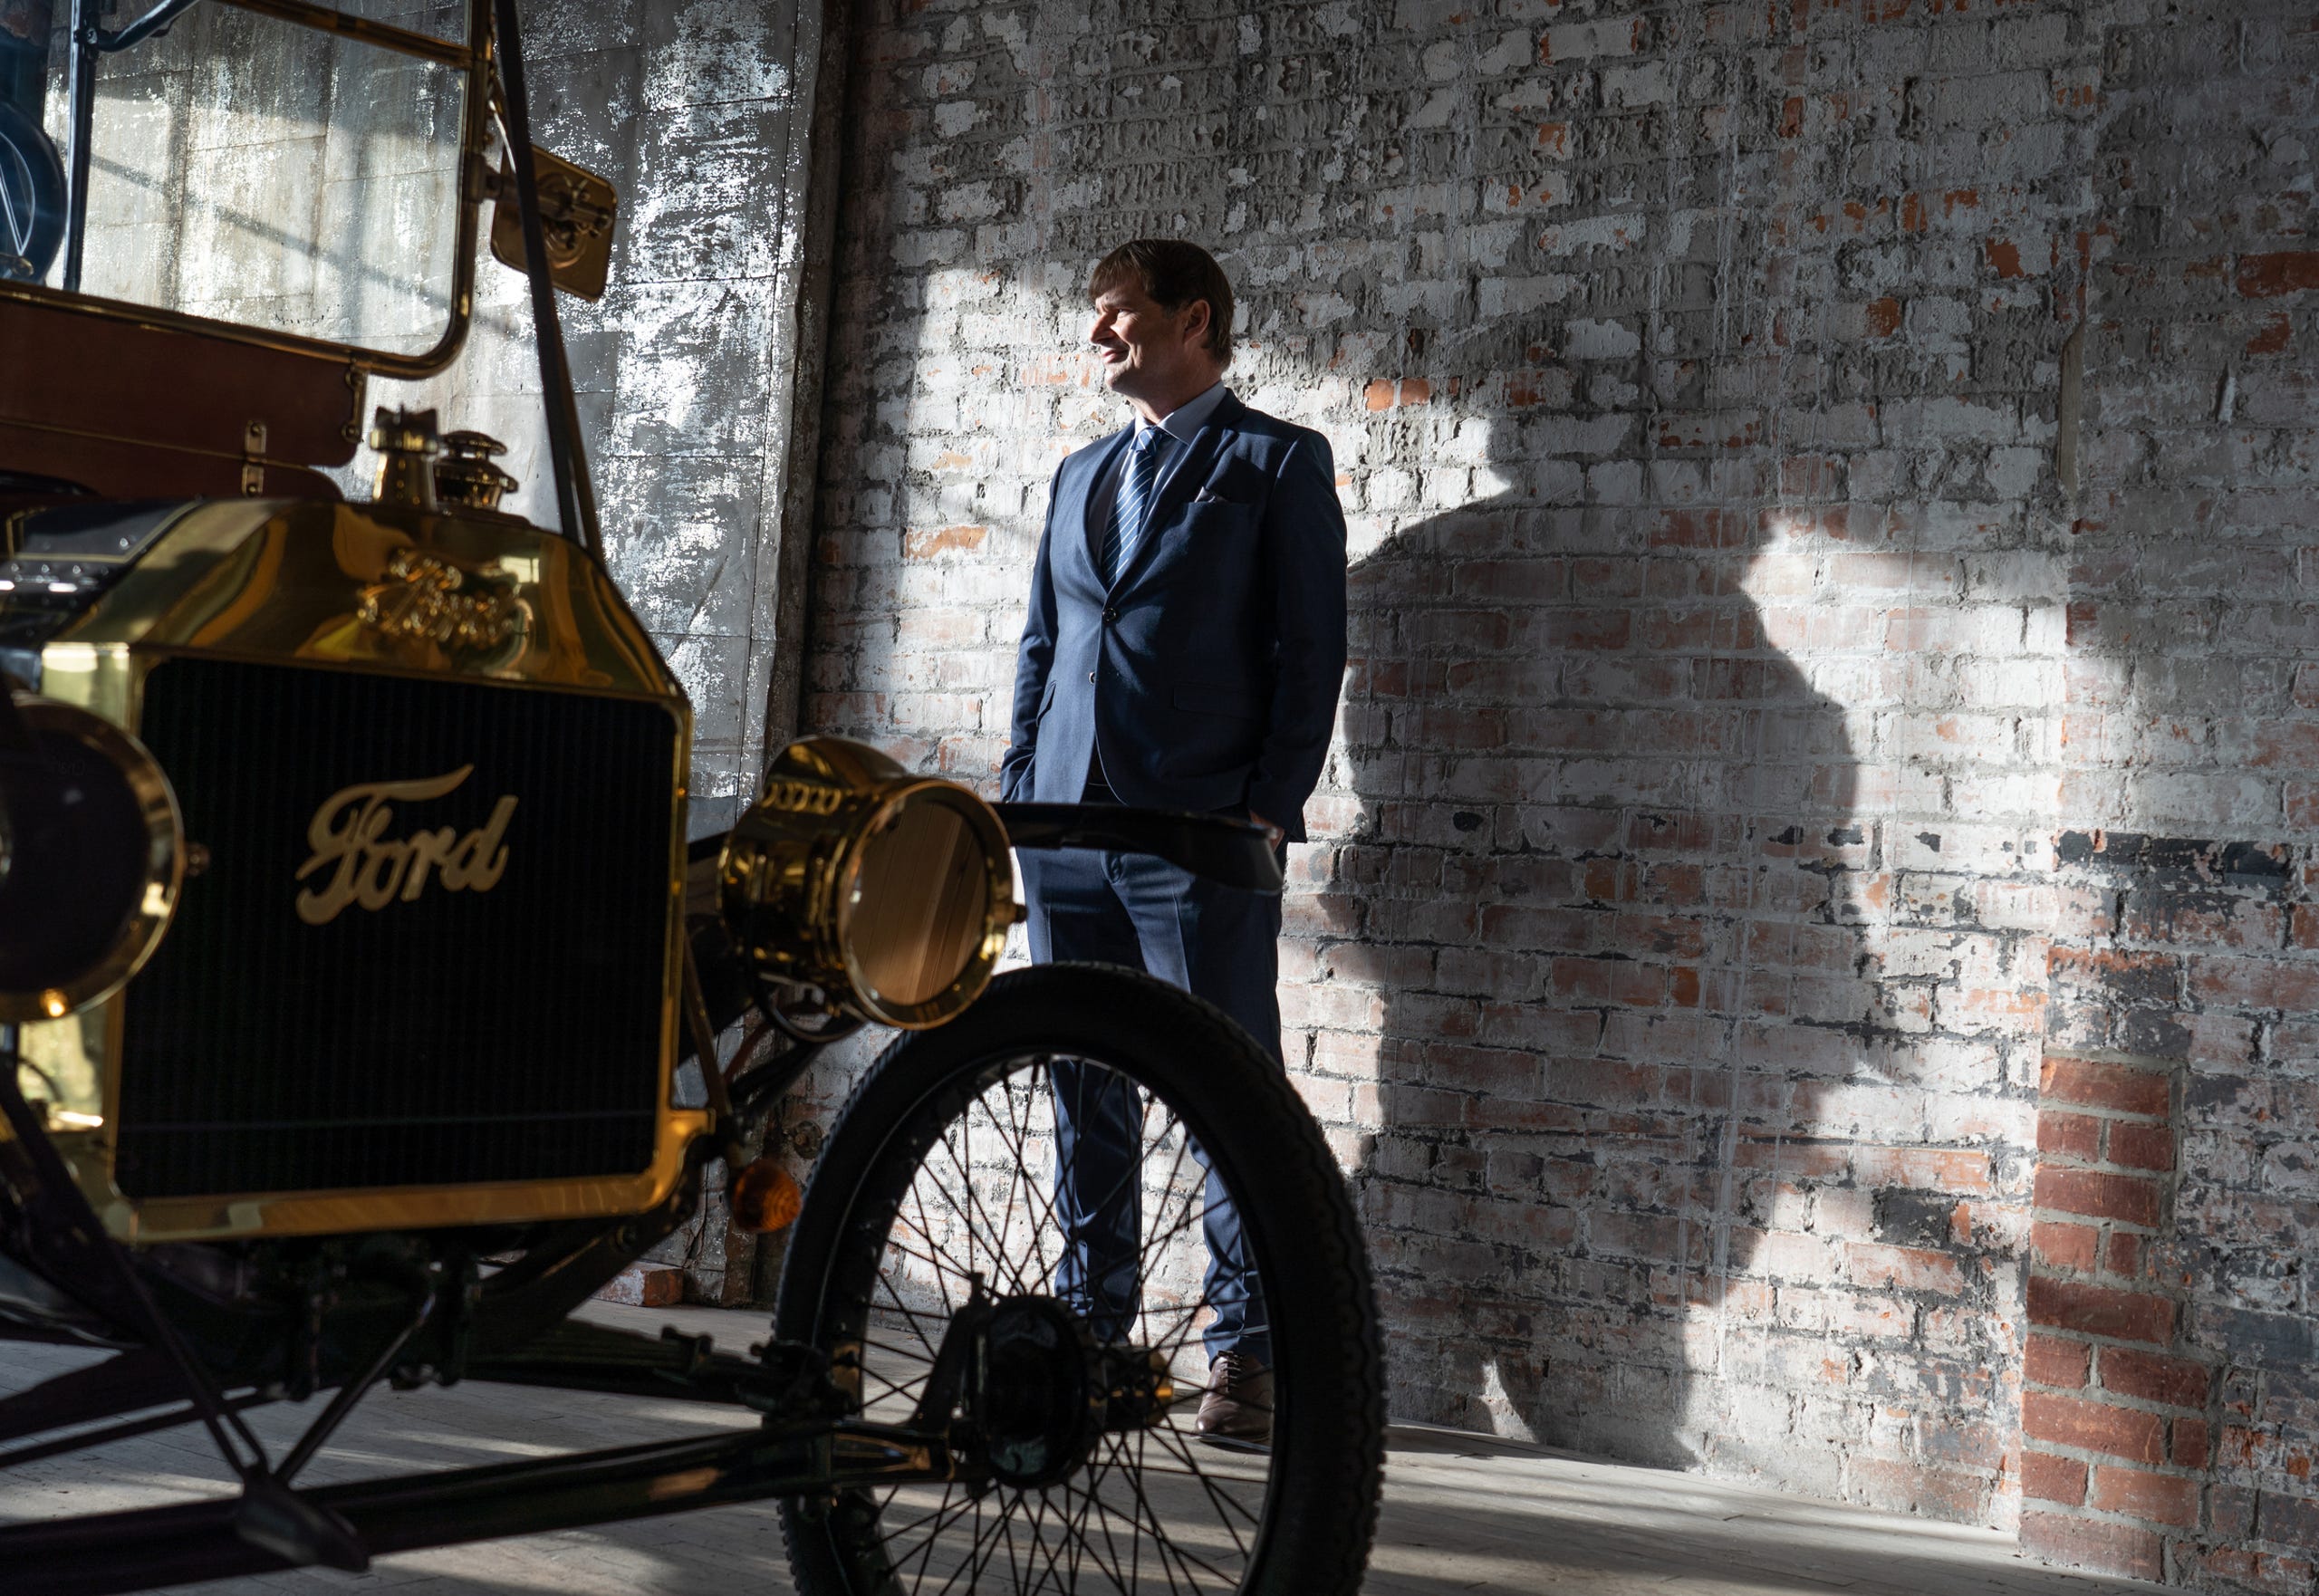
1184	648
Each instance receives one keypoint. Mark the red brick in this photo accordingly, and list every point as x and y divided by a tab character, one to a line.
2176	1382
2285	271
925	545
646	1285
2119	1549
2064	1246
1911	1269
2050	1360
2259	1570
2114	976
2287	1521
2276	334
2094	1426
1714	529
1914	1487
2140	1147
2047	1478
2128	1316
2078	1136
2105	1086
2154	1499
2255	984
1383	395
2193	1443
2133	1198
2122	1254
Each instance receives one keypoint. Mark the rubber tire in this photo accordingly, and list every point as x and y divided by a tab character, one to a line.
29	143
1322	1508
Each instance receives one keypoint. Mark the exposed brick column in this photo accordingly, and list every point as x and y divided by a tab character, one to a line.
2169	1411
2114	1415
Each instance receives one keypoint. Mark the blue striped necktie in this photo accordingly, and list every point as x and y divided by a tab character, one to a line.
1132	503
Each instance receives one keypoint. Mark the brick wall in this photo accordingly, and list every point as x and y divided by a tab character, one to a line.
1804	462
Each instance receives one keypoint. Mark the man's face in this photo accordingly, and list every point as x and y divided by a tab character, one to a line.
1146	352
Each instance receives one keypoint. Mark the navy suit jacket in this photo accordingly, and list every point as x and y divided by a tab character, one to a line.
1207	675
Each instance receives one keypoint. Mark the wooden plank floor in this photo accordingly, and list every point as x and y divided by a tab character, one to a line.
1463	1514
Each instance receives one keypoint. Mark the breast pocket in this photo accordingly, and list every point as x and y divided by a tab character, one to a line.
1216	512
1216	698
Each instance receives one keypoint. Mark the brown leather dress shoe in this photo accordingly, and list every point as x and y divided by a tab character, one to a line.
1237	1406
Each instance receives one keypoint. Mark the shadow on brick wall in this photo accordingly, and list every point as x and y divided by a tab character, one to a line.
1634	1055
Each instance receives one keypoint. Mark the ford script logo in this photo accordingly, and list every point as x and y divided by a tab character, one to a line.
424	599
366	866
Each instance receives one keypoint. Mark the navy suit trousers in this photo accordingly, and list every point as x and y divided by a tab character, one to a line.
1217	942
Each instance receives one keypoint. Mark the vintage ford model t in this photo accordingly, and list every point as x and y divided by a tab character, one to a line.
361	990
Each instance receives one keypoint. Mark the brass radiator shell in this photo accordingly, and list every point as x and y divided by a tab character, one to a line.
408	600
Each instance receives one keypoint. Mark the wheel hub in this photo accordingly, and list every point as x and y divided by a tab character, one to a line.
1039	1395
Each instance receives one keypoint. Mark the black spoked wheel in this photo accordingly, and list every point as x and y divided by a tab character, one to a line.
937	1196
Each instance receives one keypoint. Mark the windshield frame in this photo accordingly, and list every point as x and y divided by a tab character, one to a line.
474	58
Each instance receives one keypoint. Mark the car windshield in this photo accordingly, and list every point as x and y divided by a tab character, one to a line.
254	171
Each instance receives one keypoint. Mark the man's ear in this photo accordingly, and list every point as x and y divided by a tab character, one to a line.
1196	316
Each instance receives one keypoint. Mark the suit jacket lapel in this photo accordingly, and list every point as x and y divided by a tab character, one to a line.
1181	483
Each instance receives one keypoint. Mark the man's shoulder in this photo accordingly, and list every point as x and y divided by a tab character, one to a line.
1272	435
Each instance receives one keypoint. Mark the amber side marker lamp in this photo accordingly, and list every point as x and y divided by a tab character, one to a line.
766	1196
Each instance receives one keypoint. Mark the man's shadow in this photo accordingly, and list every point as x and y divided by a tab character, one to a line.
1603	877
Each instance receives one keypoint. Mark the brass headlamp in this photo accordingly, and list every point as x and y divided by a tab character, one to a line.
889	893
91	857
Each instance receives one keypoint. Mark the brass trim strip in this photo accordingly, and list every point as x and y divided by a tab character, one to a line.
390	1208
152	654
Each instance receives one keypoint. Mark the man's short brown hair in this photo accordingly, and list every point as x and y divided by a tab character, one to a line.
1174	272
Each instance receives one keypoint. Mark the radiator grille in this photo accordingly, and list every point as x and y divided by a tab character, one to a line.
448	1038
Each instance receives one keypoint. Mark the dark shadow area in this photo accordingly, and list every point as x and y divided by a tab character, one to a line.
1610	883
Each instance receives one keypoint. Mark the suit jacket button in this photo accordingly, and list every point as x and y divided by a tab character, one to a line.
1090	676
1111	615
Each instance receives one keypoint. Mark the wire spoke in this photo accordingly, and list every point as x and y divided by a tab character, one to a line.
985	1547
1014	1277
1143	1514
1216	1498
1019	1145
940	1509
924	1231
1184	1557
1039	1542
932	1262
907	1314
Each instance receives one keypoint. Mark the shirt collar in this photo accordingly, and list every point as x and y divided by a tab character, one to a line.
1183	423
